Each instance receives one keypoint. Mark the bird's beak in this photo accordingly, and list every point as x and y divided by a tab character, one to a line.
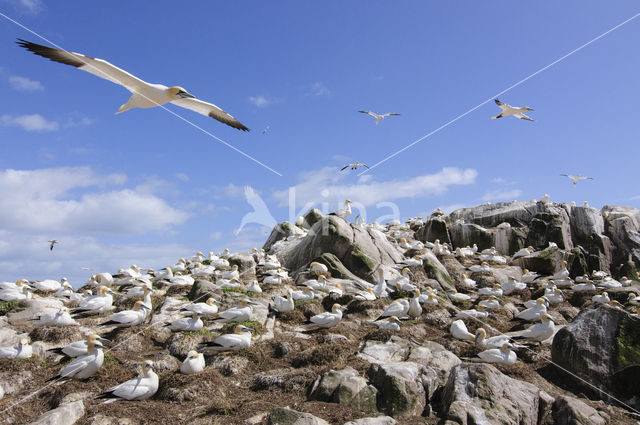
249	330
145	306
98	346
113	292
252	303
184	94
103	339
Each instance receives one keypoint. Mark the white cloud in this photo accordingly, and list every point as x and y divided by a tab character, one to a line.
182	176
34	6
259	101
326	185
229	191
24	84
501	195
216	235
33	122
48	200
319	89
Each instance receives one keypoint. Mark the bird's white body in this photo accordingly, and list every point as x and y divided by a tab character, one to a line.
140	388
533	313
57	318
512	111
22	350
187	324
459	331
241	338
193	363
499	355
84	366
284	305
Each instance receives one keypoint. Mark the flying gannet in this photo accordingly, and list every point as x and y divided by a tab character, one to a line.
144	95
378	117
354	166
577	178
508	110
52	242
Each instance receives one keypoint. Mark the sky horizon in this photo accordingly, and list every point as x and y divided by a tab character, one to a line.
147	187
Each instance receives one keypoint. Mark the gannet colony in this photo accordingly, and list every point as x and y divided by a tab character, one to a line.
508	313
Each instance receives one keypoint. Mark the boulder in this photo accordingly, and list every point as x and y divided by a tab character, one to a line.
380	420
435	228
243	260
279	232
394	350
400	388
286	416
434	356
579	347
481	394
571	411
65	414
203	289
622	226
545	262
436	270
345	387
360	249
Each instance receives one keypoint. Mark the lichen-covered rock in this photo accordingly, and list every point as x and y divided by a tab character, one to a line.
286	416
395	350
436	270
380	420
201	290
243	260
360	249
400	387
571	411
434	229
546	262
602	347
279	232
345	387
434	356
481	394
65	414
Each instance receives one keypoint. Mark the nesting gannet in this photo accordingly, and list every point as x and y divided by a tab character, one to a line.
482	267
415	261
534	313
563	273
633	299
254	287
140	388
466	282
508	110
85	366
47	285
77	348
398	308
181	280
21	351
129	317
528	277
206	308
601	298
237	314
577	178
499	355
380	288
57	318
193	363
459	331
306	294
402	282
495	290
354	166
478	313
284	305
554	295
538	332
337	290
144	95
491	303
52	243
23	293
193	323
455	295
230	274
316	269
367	295
378	117
587	286
523	252
482	341
315	284
240	338
13	286
327	319
513	285
97	304
344	212
624	281
415	309
391	323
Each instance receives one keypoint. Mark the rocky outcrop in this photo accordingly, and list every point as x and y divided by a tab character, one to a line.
286	416
622	225
481	394
360	249
601	346
345	387
279	232
571	411
65	414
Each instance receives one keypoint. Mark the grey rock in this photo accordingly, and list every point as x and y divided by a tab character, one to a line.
101	419
434	356
400	386
571	411
435	269
434	229
229	365
65	414
578	347
202	289
244	261
545	262
345	387
279	232
380	420
361	250
480	394
286	416
394	350
622	226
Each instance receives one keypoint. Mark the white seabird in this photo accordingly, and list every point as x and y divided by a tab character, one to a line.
492	342
354	166
237	314
21	351
84	366
459	331
344	212
327	319
57	318
193	363
378	117
499	355
577	178
78	348
140	388
97	304
129	317
52	243
284	305
534	313
508	110
240	338
391	323
398	308
193	323
206	308
144	95
538	332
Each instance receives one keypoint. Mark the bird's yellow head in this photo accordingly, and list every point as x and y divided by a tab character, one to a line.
177	92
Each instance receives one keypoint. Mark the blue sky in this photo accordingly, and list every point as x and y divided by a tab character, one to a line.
145	187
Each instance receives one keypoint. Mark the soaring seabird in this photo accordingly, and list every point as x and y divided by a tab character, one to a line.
508	110
577	178
378	117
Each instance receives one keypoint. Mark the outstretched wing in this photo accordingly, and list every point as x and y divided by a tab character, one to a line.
254	199
98	67
210	110
345	167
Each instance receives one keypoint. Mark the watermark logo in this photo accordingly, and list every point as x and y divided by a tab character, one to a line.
260	214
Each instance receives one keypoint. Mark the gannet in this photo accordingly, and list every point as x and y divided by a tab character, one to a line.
206	308
58	318
523	252
284	305
499	355
266	129
337	290
587	286
538	332
354	166
415	261
483	267
563	273
633	299
24	293
97	304
306	294
230	274
415	309
167	273
601	298
315	284
85	366
609	283
472	313
455	295
398	308
327	319
378	117
491	303
554	295
78	348
508	110
240	338
344	212
21	351
237	314
181	280
459	331
129	317
482	341
495	290
577	178
254	287
193	363
466	282
624	281
391	323
47	285
598	275
226	283
193	323
534	313
13	286
429	299
52	242
317	269
402	282
528	277
367	295
144	95
513	285
140	388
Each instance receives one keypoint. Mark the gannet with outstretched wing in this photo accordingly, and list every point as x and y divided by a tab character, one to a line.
378	117
577	178
508	110
144	95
